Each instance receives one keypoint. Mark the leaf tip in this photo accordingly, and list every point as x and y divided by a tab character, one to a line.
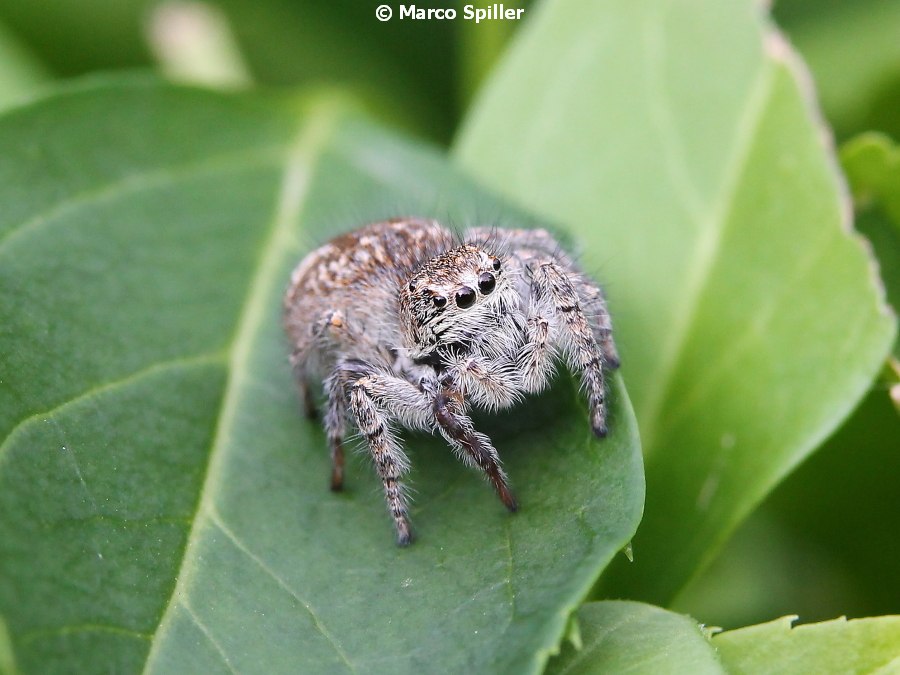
573	633
779	49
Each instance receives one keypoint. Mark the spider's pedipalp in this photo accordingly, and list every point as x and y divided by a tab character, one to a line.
489	383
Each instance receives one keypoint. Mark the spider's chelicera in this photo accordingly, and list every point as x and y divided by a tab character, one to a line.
405	323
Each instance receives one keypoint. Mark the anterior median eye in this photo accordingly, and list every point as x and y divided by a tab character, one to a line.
486	282
465	297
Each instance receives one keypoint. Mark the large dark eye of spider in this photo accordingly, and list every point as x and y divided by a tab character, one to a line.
439	300
486	283
465	297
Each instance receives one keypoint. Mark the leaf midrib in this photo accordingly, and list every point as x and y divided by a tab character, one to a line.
106	192
300	161
706	252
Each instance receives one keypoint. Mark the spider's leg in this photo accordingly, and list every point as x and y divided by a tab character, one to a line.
322	334
552	285
597	314
335	428
473	448
329	328
369	394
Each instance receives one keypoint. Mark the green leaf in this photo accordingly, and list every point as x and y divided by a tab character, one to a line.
631	637
481	44
824	542
809	549
853	52
677	141
624	636
7	665
872	164
20	72
402	68
839	646
768	569
165	504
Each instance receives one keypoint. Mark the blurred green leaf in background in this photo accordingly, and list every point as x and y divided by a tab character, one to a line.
413	73
750	316
853	51
163	506
21	74
641	639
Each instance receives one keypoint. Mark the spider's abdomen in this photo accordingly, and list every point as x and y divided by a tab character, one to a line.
354	278
355	258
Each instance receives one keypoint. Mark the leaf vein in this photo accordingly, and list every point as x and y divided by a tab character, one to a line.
299	160
216	520
97	390
600	639
208	635
705	252
42	633
758	325
661	114
137	182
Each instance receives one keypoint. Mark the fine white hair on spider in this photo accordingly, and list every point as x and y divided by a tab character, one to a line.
405	323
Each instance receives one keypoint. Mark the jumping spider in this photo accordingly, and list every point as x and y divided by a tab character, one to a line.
406	324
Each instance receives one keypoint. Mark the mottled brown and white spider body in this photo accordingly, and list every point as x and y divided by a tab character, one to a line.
407	324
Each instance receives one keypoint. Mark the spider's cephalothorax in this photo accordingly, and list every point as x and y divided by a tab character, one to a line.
405	323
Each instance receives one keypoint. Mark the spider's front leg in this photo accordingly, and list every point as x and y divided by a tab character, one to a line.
474	448
367	393
552	286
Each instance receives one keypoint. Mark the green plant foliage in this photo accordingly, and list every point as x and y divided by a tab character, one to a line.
838	646
677	142
20	73
872	164
844	502
164	504
852	49
401	68
769	568
7	665
631	637
620	636
824	542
